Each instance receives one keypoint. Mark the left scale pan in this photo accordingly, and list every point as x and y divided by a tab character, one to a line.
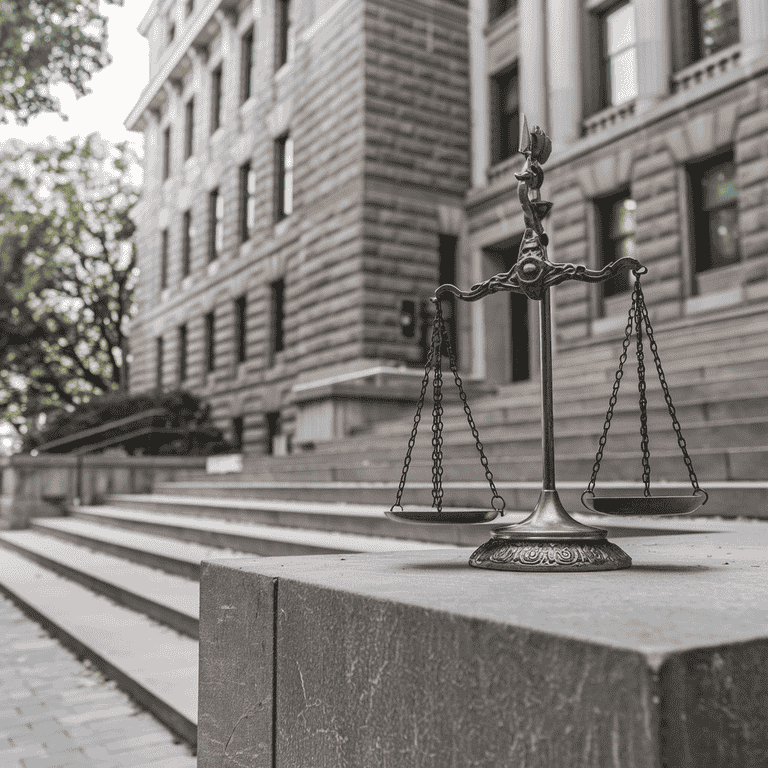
451	516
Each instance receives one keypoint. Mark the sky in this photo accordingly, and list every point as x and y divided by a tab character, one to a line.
115	89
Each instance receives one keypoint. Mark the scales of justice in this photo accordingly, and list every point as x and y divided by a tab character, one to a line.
549	539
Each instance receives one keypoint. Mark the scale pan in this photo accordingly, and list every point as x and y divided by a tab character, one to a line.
452	516
644	505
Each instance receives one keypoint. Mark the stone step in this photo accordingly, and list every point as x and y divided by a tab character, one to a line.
169	599
265	535
155	665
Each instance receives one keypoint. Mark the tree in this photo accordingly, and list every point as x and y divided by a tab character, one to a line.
67	274
44	43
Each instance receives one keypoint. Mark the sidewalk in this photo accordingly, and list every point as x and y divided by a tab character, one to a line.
56	711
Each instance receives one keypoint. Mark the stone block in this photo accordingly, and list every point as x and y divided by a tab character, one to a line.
416	660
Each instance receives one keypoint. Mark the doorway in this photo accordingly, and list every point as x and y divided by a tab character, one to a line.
507	326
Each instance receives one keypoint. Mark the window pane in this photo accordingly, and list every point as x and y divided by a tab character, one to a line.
623	218
720	186
620	29
724	236
623	77
718	25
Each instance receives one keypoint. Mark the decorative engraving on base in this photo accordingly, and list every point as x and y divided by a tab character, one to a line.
509	555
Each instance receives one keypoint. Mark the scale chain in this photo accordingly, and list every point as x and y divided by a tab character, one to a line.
437	413
644	439
416	420
667	397
616	384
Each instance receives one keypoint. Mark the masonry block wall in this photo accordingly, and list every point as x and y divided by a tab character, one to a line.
375	99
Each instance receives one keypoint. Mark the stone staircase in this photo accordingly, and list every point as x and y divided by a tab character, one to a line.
118	582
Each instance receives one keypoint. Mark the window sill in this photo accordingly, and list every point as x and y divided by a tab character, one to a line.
282	225
608	118
186	283
284	71
705	70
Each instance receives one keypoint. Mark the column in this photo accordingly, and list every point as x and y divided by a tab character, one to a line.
533	63
753	29
478	91
564	72
652	30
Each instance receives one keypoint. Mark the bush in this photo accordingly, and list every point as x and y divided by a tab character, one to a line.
174	424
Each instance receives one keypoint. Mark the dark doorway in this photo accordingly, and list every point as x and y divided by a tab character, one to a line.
508	346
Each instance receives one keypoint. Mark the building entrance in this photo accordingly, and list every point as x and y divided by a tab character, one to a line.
507	327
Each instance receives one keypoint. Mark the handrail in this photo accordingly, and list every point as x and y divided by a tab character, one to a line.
77	436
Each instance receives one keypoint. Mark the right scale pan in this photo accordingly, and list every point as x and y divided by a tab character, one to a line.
643	505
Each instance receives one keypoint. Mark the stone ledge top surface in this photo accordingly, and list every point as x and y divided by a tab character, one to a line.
695	583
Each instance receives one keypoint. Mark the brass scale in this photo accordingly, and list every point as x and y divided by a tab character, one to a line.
549	539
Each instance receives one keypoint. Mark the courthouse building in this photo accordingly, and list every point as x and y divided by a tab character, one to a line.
314	168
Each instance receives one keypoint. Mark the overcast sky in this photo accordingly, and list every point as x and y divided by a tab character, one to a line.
115	89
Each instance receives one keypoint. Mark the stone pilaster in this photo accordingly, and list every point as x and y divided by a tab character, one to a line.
652	28
564	67
533	63
753	29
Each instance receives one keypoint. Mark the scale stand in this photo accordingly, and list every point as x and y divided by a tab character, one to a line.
549	539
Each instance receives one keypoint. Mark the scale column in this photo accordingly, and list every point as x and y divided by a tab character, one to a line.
547	400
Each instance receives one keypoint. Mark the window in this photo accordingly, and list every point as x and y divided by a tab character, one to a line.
284	186
617	226
163	259
189	7
246	65
619	65
447	254
215	225
715	209
216	81
210	342
505	106
499	8
238	424
241	328
159	362
273	431
189	128
166	152
283	33
171	32
186	244
247	201
277	303
182	354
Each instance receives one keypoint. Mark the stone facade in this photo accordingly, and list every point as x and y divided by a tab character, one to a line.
375	96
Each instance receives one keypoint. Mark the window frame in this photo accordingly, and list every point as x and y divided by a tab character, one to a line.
501	119
282	33
246	64
702	240
217	92
605	56
606	240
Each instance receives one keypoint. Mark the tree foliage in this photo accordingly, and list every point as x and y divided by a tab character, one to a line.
44	43
67	273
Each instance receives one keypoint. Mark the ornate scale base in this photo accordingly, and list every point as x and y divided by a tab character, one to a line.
549	540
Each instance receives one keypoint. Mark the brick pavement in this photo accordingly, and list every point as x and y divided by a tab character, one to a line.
56	711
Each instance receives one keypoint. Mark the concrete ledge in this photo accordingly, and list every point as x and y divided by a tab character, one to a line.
413	659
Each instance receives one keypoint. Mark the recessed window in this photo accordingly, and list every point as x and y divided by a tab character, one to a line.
166	152
246	65
210	342
715	213
500	7
247	201
283	33
171	32
182	354
215	225
284	185
216	83
189	7
186	243
505	106
241	328
159	362
238	425
277	305
189	128
163	259
273	431
717	26
617	224
619	46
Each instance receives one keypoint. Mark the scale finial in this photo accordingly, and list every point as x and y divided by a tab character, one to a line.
525	138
